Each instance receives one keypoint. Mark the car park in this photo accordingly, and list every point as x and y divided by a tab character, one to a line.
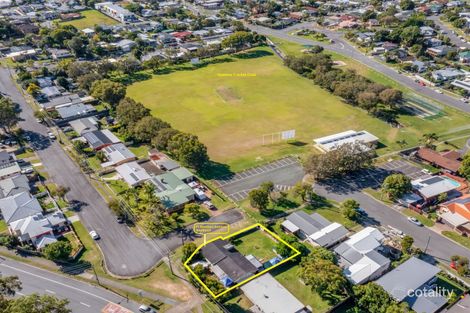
414	221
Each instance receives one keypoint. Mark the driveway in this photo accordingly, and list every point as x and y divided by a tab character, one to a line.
284	173
341	46
124	253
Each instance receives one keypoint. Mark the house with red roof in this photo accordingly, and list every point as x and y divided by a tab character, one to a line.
456	214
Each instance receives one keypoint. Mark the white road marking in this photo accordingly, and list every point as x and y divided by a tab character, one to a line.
87	305
50	291
55	282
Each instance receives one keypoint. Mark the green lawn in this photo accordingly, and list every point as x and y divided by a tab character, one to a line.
91	18
424	220
256	243
230	105
464	241
3	226
91	252
288	276
333	214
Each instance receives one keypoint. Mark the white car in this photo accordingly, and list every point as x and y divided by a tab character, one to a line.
94	235
414	221
438	91
146	309
27	170
51	135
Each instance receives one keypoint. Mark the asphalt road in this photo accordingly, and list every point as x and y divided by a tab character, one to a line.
433	243
343	47
453	37
124	253
83	297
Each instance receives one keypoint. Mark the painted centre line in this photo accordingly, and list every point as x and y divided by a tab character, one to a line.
87	305
50	291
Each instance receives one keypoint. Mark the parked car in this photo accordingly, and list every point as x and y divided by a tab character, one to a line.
438	91
94	235
146	309
120	219
414	221
27	170
51	135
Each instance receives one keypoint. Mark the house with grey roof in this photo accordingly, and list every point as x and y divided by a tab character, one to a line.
33	228
9	169
75	110
84	125
132	173
361	257
19	206
412	282
430	188
314	228
269	296
66	99
117	154
14	185
447	74
99	139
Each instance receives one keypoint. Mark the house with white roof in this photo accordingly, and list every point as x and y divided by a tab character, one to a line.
333	142
360	256
430	188
19	206
314	228
117	154
269	296
132	173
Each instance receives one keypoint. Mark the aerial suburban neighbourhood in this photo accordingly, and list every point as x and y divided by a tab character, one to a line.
234	156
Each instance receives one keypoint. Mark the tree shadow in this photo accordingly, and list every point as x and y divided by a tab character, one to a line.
215	170
297	143
254	54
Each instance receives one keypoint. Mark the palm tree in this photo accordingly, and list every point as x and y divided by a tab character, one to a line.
429	139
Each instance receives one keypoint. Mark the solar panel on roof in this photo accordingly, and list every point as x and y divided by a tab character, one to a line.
432	180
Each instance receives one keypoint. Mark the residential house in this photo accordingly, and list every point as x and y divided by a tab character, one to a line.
332	142
361	258
427	31
38	229
464	57
314	228
227	263
84	125
132	173
463	84
125	45
411	282
444	160
439	51
447	74
74	111
65	99
8	165
19	206
14	185
58	54
430	188
98	139
183	174
116	12
162	161
117	154
172	192
456	214
269	296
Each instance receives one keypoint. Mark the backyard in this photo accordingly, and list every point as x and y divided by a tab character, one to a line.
91	18
233	101
257	244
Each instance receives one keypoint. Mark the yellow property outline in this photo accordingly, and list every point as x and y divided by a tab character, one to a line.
297	253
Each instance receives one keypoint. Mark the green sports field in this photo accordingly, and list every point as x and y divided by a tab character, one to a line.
231	104
91	18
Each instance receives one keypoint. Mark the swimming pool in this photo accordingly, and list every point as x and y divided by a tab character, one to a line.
453	182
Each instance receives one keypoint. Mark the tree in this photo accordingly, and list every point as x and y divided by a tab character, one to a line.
464	168
59	250
460	263
323	276
38	304
349	209
396	185
373	298
108	91
304	191
391	97
267	186
188	249
407	244
61	191
86	80
429	139
117	208
259	199
147	128
407	5
188	150
367	100
163	137
33	89
238	40
195	211
9	285
129	112
77	45
9	117
343	160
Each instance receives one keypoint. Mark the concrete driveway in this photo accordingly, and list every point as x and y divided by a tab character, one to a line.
284	173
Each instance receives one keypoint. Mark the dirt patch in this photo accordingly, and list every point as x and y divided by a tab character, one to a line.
176	290
392	134
228	94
